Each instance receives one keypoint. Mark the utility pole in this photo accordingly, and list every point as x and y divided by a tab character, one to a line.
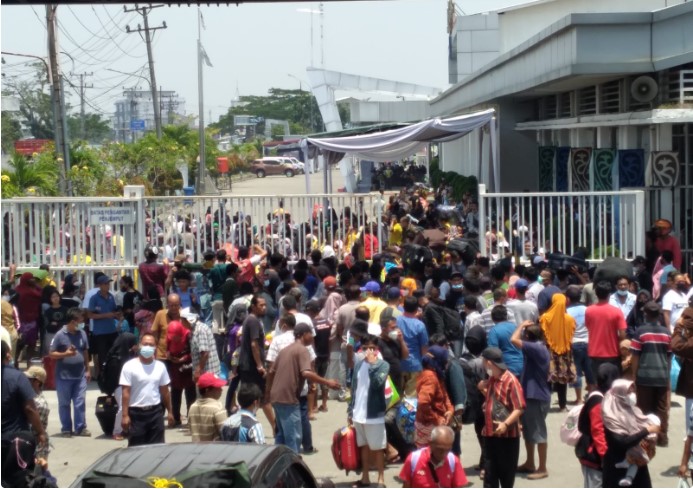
57	99
144	12
82	87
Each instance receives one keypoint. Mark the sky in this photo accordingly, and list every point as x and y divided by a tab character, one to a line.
253	47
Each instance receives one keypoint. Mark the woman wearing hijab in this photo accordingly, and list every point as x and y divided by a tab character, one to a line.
29	311
558	327
625	427
124	348
636	317
592	445
434	407
179	365
408	286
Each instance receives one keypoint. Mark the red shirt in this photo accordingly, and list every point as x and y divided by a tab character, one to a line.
603	322
370	246
421	475
153	274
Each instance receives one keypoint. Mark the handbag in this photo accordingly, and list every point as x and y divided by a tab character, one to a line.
499	412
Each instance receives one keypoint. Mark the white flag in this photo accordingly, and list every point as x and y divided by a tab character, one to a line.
205	57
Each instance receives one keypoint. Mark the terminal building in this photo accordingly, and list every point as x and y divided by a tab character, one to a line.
589	96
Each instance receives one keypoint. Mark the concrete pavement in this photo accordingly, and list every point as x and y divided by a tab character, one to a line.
71	456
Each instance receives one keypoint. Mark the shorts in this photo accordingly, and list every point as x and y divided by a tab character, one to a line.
372	435
583	365
534	421
321	366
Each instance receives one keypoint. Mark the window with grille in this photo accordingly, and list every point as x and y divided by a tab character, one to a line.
610	97
565	106
676	85
587	100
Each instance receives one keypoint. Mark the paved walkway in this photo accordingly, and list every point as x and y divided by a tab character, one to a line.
71	456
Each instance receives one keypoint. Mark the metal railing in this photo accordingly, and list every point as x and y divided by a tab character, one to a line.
600	224
78	235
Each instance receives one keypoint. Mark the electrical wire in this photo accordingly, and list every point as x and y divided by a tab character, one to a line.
117	44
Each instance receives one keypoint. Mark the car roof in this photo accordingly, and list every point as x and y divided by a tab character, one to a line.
167	460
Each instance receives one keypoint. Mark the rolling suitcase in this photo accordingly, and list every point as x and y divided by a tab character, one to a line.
346	453
106	410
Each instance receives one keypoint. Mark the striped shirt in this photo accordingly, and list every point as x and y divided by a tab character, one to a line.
652	343
508	391
206	418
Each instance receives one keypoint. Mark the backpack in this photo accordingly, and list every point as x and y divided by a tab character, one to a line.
570	434
452	322
415	455
473	405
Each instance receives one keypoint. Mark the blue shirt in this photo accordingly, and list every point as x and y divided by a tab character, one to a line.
70	368
100	305
535	375
416	337
499	336
665	273
16	390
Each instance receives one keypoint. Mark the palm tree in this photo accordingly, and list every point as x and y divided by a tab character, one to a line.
38	177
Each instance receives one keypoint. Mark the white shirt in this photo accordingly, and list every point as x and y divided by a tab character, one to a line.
360	412
533	292
625	307
300	319
144	381
674	302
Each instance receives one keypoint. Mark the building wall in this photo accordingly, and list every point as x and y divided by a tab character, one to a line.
517	149
477	43
518	25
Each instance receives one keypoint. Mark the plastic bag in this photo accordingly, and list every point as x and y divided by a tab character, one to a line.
675	371
683	483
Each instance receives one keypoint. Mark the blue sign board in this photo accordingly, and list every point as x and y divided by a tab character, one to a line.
137	125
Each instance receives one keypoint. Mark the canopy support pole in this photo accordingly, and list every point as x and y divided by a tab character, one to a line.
494	156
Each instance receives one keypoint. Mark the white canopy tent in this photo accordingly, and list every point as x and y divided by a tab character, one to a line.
403	142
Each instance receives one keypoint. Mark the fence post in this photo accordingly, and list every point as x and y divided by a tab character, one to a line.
639	223
482	219
137	192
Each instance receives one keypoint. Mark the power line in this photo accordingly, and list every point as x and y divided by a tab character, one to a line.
117	44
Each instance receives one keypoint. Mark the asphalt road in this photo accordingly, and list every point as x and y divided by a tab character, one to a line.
282	185
73	455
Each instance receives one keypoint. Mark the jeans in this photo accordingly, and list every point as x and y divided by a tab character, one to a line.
582	365
289	430
307	435
118	426
72	392
218	320
689	404
591	477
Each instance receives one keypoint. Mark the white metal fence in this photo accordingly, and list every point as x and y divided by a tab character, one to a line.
78	235
602	224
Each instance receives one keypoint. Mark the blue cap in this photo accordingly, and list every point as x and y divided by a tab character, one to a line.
521	284
371	286
394	293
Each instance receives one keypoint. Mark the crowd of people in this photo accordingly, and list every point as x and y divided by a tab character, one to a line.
417	341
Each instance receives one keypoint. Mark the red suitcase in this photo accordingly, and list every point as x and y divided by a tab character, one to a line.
49	367
346	453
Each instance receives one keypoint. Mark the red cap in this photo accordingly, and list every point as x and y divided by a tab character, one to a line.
208	379
330	281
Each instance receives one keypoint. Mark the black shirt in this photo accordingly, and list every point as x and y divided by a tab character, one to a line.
252	331
16	390
322	338
130	301
392	354
55	318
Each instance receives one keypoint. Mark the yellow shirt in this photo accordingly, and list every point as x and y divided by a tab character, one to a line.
396	234
375	306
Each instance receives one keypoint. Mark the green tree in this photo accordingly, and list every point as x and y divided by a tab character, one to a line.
11	131
96	129
34	101
36	177
299	107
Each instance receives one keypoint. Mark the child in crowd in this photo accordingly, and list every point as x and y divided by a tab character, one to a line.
641	453
243	426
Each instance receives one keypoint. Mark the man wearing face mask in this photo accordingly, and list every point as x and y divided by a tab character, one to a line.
70	348
145	388
392	346
623	298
